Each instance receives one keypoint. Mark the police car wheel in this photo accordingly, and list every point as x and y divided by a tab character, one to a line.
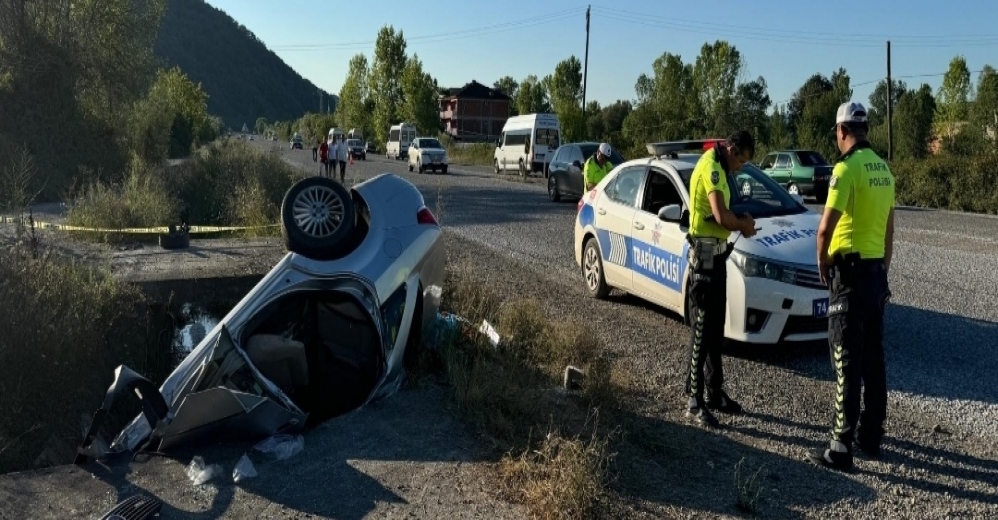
592	271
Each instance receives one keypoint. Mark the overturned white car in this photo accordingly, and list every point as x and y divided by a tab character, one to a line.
327	330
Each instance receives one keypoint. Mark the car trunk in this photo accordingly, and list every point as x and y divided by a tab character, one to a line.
322	348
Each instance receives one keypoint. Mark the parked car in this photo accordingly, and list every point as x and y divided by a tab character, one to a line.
296	143
426	153
357	150
327	330
801	172
565	172
630	234
371	147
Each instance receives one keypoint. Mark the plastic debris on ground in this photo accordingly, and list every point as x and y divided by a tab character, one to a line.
448	327
281	446
244	469
199	473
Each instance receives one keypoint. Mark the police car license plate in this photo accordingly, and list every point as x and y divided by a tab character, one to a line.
820	307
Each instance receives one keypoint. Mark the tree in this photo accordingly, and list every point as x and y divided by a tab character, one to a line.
354	95
809	92
715	76
878	100
507	85
913	121
751	104
420	103
954	96
840	85
984	116
261	125
667	107
778	129
815	129
531	97
385	86
564	88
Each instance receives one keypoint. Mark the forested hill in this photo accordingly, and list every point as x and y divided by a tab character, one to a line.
244	80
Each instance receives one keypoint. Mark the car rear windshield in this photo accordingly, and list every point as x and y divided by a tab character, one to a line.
589	149
809	158
353	142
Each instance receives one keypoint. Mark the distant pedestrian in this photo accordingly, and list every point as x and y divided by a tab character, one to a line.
324	157
341	155
855	246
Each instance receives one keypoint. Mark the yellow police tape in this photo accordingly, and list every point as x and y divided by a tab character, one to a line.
139	231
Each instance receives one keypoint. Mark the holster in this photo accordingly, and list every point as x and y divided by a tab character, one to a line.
703	255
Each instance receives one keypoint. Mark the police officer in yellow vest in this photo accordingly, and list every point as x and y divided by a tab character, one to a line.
711	222
597	167
855	245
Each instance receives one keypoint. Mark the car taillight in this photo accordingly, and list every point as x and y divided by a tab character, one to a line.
425	216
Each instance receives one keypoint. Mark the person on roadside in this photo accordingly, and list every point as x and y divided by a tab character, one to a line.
341	156
324	158
855	246
597	166
711	222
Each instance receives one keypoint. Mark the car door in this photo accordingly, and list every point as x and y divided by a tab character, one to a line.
613	221
555	170
781	169
574	172
658	248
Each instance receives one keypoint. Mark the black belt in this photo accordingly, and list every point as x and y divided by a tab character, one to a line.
855	261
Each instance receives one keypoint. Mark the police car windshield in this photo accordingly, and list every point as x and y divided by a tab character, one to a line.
758	195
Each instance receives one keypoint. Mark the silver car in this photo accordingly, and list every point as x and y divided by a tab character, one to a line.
327	330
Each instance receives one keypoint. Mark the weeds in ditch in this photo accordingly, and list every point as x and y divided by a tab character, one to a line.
66	326
511	392
748	489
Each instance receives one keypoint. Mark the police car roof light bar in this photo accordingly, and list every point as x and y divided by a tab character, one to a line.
673	147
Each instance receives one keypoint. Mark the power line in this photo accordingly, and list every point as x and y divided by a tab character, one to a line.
448	36
806	37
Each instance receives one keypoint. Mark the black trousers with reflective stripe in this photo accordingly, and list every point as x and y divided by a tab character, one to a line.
857	297
708	302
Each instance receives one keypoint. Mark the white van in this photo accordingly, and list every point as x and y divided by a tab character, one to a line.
335	132
355	133
527	143
399	137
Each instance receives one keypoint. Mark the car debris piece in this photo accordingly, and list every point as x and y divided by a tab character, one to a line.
199	473
574	378
136	507
325	332
244	469
281	447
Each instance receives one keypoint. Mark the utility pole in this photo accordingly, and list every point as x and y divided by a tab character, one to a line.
585	70
890	102
320	100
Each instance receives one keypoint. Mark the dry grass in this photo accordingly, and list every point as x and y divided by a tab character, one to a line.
512	392
66	326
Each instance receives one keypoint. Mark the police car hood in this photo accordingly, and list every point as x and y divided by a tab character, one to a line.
790	239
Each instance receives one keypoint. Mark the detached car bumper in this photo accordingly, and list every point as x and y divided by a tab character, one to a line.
767	311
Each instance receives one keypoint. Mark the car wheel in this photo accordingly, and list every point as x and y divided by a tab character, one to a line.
793	189
523	171
592	271
497	166
410	167
553	190
317	217
443	170
419	167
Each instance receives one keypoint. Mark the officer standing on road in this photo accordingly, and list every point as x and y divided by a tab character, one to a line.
855	245
711	222
597	167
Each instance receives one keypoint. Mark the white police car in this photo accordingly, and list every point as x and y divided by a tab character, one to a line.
630	234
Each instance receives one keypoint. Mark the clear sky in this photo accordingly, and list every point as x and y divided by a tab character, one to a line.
784	41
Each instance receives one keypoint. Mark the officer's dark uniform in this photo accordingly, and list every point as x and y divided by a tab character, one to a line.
709	251
862	189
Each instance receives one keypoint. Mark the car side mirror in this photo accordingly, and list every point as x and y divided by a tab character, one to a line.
798	198
671	213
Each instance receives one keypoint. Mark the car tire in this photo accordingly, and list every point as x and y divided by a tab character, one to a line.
553	193
443	170
793	188
497	167
419	167
523	171
410	167
317	218
592	271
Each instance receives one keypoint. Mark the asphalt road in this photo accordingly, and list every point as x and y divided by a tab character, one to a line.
941	339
